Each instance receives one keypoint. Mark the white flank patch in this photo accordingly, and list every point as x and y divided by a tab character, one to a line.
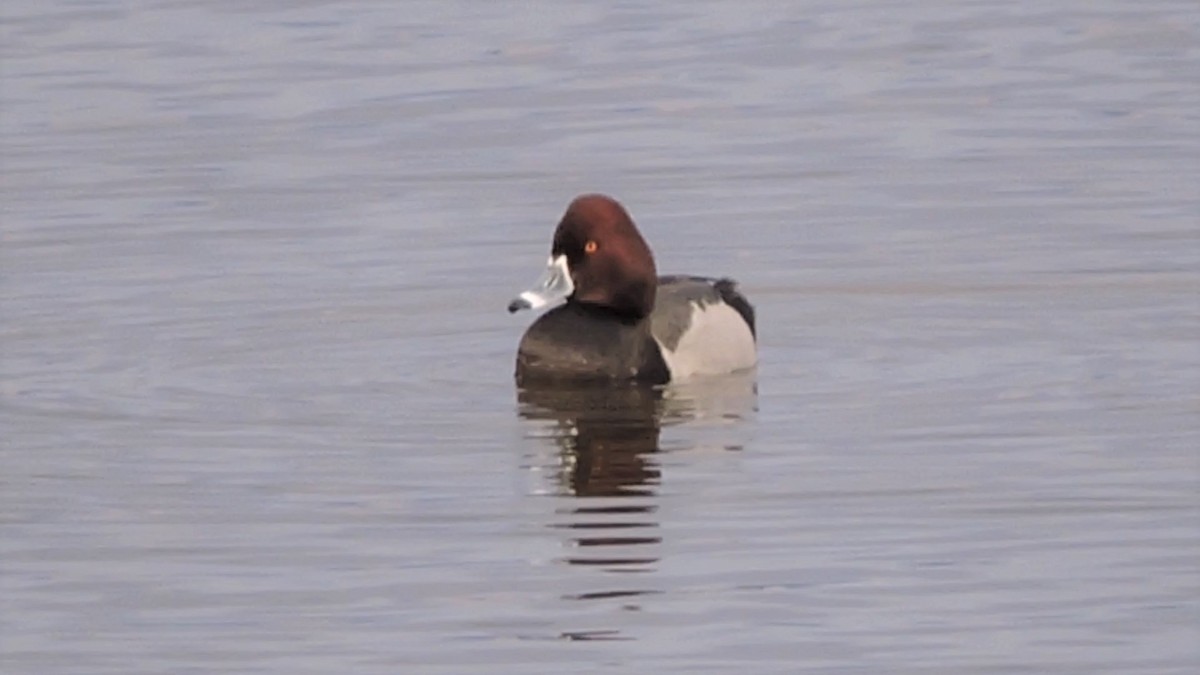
718	341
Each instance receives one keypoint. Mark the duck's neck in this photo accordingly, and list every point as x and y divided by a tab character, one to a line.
625	316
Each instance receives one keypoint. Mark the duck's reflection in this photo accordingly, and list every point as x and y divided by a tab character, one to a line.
606	439
606	436
605	465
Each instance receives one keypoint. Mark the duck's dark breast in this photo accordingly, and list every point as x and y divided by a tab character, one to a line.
579	342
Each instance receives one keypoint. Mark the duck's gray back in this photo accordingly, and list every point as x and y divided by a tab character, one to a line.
673	305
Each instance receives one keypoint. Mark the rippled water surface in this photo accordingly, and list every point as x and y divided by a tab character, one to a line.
258	413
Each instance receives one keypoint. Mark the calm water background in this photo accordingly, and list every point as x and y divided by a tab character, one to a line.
258	414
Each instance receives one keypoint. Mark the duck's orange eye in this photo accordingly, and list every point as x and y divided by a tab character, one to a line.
590	247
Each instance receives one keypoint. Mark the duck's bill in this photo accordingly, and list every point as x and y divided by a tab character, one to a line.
554	286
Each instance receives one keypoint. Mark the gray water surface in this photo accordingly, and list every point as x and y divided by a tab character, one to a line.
257	407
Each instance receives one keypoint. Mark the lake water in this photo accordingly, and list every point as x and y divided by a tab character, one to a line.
258	413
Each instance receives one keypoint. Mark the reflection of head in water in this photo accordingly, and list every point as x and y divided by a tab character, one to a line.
607	438
605	435
608	434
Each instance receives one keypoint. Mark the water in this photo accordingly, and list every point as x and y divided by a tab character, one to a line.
258	413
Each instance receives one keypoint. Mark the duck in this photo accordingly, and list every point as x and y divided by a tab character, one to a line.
613	318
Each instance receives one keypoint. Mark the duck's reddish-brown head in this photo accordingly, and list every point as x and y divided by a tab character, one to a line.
598	258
